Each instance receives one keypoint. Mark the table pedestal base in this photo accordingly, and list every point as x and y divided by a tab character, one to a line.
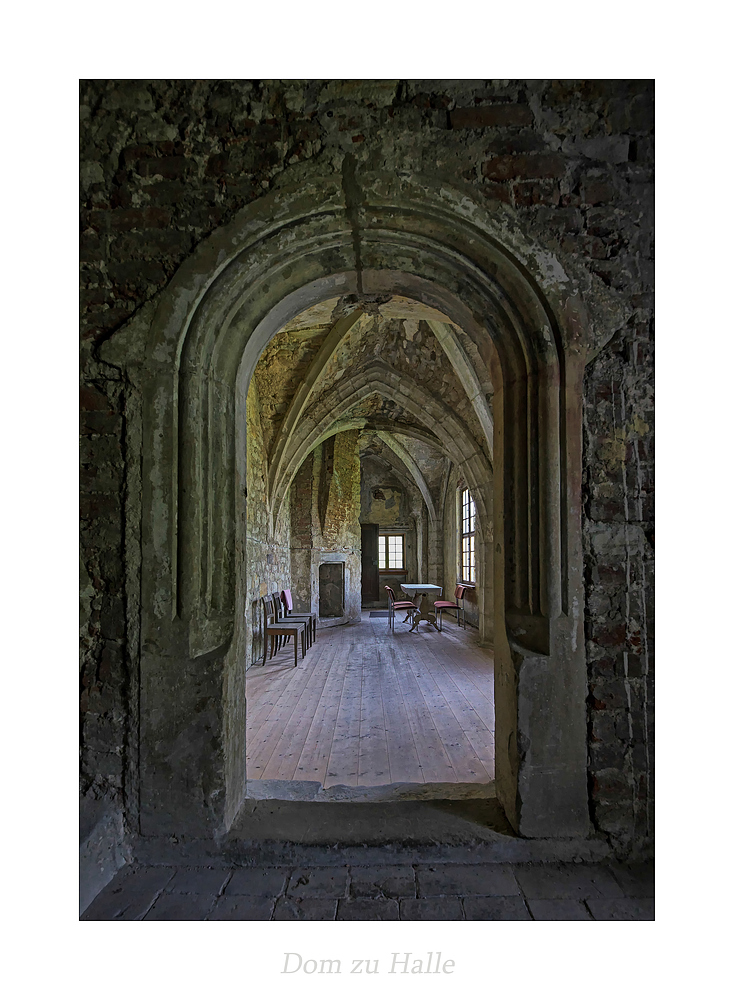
424	614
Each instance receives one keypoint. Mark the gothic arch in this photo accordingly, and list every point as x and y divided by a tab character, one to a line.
192	366
396	386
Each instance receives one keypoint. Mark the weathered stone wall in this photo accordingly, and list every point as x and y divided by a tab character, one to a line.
324	508
341	519
302	532
337	534
105	703
619	569
268	554
166	162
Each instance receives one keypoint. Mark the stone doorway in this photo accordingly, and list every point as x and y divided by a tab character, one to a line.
197	555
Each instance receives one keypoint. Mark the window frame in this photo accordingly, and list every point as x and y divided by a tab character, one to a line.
467	522
386	535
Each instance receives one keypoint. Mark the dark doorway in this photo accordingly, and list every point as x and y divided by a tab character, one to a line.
370	571
331	590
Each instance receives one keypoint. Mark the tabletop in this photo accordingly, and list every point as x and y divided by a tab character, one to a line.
421	588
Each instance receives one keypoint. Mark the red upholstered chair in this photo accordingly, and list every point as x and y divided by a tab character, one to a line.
457	605
393	606
284	607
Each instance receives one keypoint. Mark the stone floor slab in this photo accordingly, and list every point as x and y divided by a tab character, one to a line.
181	906
441	908
257	882
622	909
305	909
636	879
130	894
466	880
318	883
567	881
495	908
558	909
204	881
376	882
368	909
243	908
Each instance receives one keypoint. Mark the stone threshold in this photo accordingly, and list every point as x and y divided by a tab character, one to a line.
248	853
314	791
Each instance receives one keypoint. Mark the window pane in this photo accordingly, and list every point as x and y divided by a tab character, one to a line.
468	559
395	551
391	550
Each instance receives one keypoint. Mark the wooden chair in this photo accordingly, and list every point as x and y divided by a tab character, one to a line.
392	606
457	605
286	600
276	630
281	615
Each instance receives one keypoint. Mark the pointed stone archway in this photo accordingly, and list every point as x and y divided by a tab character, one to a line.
190	361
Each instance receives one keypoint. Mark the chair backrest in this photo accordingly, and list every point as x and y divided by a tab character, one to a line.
390	594
459	593
275	597
269	610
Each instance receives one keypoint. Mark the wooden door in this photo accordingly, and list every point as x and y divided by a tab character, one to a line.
370	570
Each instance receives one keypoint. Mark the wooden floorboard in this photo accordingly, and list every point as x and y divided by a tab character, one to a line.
367	706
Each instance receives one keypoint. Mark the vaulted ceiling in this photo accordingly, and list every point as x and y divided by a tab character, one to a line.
413	383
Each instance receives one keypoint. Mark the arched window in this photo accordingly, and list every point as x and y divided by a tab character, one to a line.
468	549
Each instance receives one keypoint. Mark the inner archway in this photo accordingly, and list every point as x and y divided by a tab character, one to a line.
359	424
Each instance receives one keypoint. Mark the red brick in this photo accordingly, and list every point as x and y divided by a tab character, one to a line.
217	164
137	272
524	165
609	634
169	167
167	192
501	192
90	247
610	786
92	399
95	505
597	192
150	243
531	193
99	423
491	116
122	219
503	143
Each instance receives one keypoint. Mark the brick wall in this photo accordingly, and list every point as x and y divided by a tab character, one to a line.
163	163
619	571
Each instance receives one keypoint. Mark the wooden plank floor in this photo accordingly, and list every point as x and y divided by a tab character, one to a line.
372	707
